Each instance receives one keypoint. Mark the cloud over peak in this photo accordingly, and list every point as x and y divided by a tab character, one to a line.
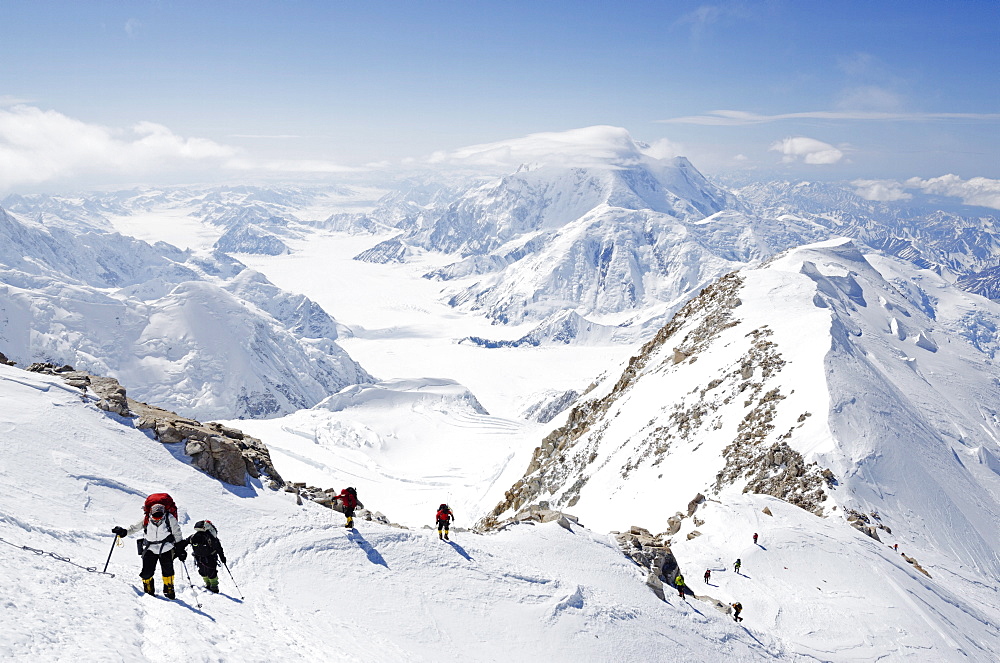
589	146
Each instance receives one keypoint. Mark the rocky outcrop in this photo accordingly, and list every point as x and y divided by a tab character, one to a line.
225	453
652	553
110	395
5	361
868	525
533	513
327	497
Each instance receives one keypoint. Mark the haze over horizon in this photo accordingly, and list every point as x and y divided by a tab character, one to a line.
98	95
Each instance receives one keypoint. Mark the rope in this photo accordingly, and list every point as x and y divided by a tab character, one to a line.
89	569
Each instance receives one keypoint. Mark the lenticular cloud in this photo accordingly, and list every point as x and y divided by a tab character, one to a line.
586	147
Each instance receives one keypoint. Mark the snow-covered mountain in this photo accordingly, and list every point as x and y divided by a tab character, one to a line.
615	243
837	360
197	332
959	241
835	381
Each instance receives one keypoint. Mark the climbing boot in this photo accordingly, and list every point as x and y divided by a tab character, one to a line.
168	587
350	523
213	585
440	535
148	586
446	536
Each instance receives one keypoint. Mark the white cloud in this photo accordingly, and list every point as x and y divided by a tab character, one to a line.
38	146
589	146
976	191
742	118
809	150
980	191
881	190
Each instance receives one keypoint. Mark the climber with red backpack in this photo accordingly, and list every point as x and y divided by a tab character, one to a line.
208	553
349	499
444	517
162	540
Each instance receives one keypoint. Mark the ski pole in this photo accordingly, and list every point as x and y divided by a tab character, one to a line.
234	580
193	590
109	553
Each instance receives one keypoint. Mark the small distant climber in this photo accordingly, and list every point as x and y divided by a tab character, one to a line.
679	583
349	498
208	553
737	609
162	541
755	538
444	517
737	565
708	575
895	547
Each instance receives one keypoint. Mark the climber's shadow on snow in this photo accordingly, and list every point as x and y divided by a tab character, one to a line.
460	550
179	601
374	556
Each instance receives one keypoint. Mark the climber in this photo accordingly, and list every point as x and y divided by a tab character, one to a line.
679	583
737	609
349	498
755	538
208	553
737	565
444	517
708	575
162	541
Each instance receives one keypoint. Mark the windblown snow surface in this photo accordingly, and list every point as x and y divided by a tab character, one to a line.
307	588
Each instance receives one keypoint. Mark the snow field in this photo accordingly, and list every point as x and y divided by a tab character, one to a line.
831	592
69	472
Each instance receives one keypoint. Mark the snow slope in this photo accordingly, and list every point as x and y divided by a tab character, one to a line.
198	333
310	588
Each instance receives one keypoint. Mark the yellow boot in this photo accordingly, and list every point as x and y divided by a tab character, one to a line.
350	522
148	586
168	587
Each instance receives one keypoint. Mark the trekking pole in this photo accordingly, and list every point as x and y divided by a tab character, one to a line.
234	581
193	590
117	538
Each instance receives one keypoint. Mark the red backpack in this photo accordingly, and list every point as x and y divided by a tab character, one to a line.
158	498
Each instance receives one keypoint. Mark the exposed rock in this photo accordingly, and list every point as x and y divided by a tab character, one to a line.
917	566
5	361
767	510
695	503
559	465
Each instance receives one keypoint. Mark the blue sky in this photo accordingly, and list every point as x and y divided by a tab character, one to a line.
823	90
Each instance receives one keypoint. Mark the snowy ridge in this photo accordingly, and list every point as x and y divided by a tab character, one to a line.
813	379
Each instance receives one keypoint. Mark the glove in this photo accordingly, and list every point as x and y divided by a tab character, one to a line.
180	554
222	558
120	531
